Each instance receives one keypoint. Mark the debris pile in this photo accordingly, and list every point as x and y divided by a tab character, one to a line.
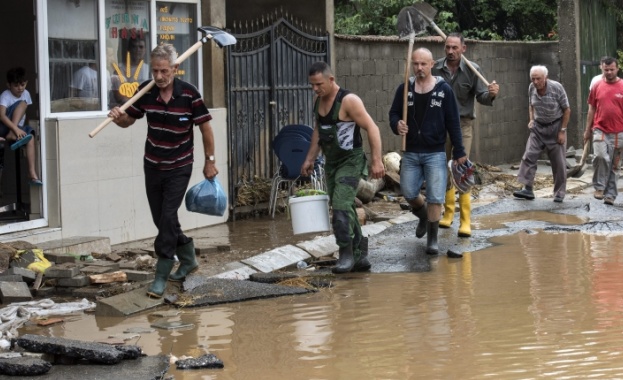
28	272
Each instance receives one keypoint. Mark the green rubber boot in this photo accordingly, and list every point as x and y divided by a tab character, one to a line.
345	261
432	246
363	264
422	214
163	268
188	261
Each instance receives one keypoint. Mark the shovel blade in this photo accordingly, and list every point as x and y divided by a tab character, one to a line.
426	10
410	22
221	37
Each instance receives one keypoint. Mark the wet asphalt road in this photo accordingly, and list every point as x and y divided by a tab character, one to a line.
398	250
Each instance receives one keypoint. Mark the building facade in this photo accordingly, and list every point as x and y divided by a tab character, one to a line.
83	57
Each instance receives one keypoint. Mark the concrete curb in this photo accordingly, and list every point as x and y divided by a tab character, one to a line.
289	255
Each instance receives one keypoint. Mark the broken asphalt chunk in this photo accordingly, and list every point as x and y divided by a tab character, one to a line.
94	352
213	291
204	361
24	366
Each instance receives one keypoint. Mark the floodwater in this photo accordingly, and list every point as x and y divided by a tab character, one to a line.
534	305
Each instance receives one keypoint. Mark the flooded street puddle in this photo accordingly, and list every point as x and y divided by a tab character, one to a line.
500	220
535	305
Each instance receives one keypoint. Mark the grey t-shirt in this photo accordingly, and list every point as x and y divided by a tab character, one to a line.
551	105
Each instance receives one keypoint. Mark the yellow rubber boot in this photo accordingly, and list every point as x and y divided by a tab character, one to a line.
465	206
448	210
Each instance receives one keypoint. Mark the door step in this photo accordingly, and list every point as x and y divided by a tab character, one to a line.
84	245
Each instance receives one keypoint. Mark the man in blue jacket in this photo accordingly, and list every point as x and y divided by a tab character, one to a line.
432	115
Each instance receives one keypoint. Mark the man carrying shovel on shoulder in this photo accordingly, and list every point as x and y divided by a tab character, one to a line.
172	108
466	86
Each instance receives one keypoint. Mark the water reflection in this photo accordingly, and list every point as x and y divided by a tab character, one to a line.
535	305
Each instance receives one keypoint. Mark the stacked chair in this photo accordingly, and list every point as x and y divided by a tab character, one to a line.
290	146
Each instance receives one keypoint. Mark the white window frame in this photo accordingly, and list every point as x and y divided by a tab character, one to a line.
44	68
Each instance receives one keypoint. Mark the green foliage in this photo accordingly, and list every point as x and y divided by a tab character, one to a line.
479	19
368	17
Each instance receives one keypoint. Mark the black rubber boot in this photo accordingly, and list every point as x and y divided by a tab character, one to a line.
432	247
188	261
346	261
363	264
421	213
163	268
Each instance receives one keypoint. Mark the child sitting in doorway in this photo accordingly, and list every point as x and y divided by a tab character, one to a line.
13	104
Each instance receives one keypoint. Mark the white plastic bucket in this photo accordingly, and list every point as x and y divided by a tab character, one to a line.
309	213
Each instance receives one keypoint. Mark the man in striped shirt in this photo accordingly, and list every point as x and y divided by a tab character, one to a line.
172	108
549	115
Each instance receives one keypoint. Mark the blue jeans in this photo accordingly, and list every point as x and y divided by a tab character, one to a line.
417	167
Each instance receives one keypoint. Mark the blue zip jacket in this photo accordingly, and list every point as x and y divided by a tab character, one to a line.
440	120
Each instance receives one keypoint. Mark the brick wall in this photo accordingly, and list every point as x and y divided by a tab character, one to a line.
372	67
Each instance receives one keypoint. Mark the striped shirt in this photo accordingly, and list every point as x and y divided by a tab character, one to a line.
169	142
550	106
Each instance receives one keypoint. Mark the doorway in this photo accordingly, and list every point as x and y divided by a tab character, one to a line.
20	202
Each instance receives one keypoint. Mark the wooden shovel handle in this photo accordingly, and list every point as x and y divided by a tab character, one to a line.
585	152
151	84
124	107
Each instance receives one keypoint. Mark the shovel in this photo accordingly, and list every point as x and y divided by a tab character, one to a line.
428	13
222	39
409	24
578	170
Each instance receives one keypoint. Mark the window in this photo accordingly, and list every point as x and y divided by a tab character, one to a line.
77	71
74	55
176	24
127	47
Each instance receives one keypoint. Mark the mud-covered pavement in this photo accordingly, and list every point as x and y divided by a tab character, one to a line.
536	278
398	250
495	212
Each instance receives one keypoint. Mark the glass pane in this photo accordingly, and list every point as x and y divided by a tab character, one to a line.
127	47
177	24
73	56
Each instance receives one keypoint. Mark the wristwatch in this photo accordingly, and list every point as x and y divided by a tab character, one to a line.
210	158
563	129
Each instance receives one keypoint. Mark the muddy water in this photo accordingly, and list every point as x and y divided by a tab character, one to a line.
540	305
501	220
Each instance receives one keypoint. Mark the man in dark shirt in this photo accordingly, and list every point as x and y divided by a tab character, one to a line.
432	117
172	107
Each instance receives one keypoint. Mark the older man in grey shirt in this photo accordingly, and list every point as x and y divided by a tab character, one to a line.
549	116
466	87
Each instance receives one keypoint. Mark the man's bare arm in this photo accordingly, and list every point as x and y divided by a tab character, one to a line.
355	110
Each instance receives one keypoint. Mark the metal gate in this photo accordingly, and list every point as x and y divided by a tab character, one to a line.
268	88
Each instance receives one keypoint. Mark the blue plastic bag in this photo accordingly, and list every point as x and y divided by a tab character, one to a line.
207	197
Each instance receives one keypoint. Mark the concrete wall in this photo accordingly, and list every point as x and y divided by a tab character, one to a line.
373	67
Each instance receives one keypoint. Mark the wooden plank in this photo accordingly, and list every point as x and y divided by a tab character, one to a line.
107	278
